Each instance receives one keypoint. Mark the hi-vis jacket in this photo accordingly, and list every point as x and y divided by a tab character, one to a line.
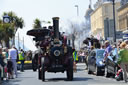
75	56
21	56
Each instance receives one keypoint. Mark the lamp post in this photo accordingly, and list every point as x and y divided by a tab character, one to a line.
77	9
18	42
114	20
23	43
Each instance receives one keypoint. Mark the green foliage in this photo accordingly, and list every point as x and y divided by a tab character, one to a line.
49	22
18	22
8	30
37	24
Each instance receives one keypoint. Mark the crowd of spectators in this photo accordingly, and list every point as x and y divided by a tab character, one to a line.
8	62
119	49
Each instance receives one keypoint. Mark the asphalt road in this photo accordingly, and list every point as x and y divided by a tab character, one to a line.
80	78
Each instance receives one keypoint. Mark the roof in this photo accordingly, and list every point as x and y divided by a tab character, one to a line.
38	32
88	12
122	7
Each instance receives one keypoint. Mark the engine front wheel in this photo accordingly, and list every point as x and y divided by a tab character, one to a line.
42	69
70	70
43	73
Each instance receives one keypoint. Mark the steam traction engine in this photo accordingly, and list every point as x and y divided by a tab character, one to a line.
54	55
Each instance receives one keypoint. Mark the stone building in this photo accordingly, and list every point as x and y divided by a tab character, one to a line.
102	19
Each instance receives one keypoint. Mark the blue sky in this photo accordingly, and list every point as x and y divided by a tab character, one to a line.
44	10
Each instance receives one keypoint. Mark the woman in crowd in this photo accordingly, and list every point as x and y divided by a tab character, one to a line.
123	59
2	64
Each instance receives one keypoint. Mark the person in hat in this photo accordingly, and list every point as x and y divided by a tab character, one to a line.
108	49
21	58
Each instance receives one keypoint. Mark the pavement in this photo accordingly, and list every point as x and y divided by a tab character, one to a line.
80	78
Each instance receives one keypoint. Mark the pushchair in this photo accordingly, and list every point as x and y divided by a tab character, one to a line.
119	75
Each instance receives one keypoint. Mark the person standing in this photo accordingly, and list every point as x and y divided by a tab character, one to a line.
75	58
2	64
21	59
123	60
108	50
13	58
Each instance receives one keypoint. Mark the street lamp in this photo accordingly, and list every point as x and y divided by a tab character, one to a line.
114	20
77	9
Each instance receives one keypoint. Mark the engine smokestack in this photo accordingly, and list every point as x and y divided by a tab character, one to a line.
56	26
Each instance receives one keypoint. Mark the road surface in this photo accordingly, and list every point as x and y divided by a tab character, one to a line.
80	78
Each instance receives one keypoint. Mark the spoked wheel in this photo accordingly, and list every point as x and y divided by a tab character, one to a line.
115	71
43	73
70	70
42	69
89	72
97	71
39	74
34	64
107	74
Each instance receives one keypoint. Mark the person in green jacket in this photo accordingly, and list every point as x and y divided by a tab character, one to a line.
75	58
123	60
21	58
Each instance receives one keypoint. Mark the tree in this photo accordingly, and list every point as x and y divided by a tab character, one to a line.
79	31
37	24
6	33
9	30
74	31
1	33
17	22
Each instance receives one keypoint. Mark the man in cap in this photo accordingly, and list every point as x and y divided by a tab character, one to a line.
107	50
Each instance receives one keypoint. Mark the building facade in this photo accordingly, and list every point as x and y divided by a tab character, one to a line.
123	2
102	20
123	17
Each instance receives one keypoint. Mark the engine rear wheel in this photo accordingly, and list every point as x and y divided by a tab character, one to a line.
39	74
35	62
34	65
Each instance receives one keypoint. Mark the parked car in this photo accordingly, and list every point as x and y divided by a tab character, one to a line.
111	65
95	63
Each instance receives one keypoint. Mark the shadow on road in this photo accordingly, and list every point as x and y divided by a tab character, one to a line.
80	69
10	82
65	79
82	79
56	79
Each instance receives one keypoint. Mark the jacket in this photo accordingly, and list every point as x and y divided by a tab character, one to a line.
123	56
